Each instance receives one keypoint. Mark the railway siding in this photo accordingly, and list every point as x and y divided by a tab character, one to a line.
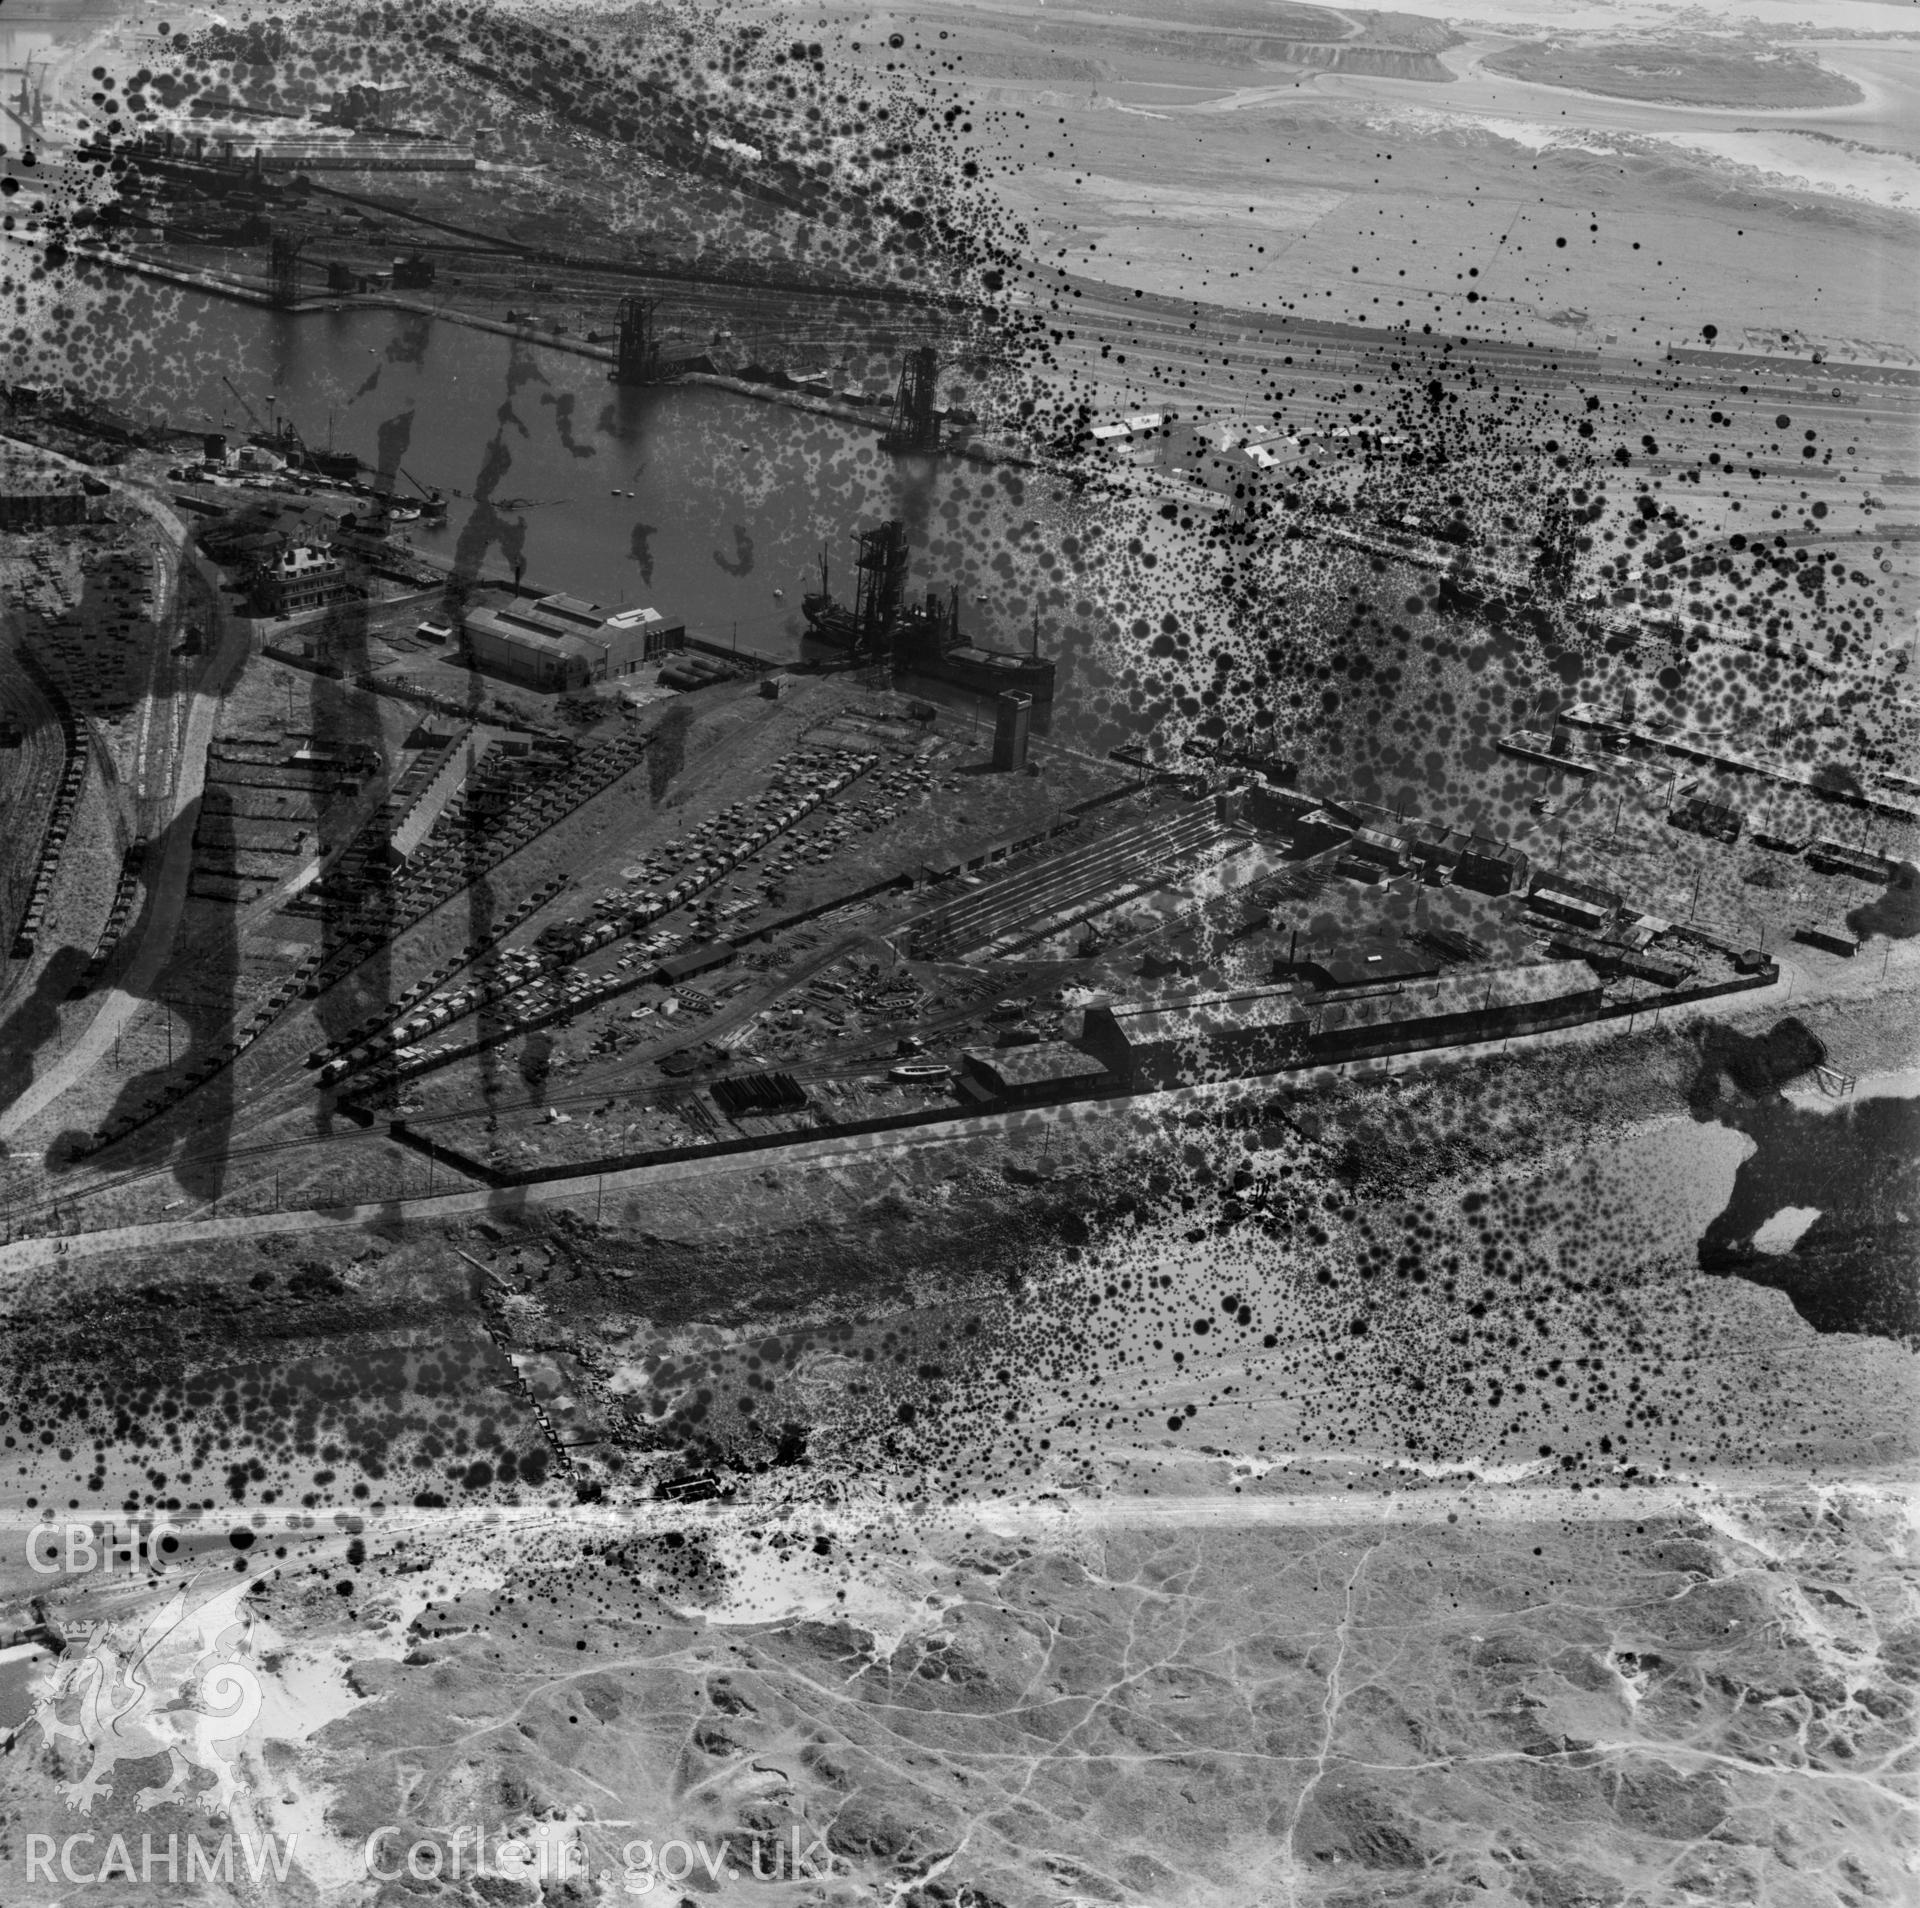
76	755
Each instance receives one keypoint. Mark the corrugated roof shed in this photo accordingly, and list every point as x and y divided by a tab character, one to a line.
1208	1016
1368	967
1568	887
1378	841
1490	865
573	609
1436	841
1839	856
535	638
1492	848
1487	991
1045	1063
696	960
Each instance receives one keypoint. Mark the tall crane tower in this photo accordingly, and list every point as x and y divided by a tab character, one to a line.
284	271
916	424
30	108
637	349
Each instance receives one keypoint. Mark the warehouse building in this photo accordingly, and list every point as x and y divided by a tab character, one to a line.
1436	849
1134	439
559	642
507	645
1231	1036
1365	967
41	509
1385	845
1836	857
1581	904
35	500
1379	839
1828	937
1705	815
1217	1037
1620	952
1490	866
1490	1005
1031	1076
694	961
1303	819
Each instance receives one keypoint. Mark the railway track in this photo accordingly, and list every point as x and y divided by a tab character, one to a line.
29	775
76	762
1080	876
1223	355
44	1216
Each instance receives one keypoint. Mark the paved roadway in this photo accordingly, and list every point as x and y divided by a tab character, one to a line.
1743	1506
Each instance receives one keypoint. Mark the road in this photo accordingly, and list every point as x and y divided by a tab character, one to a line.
28	1255
1190	1491
167	894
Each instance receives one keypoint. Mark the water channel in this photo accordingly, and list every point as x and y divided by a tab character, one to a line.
713	507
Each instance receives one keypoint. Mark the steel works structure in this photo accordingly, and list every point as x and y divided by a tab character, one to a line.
916	424
637	348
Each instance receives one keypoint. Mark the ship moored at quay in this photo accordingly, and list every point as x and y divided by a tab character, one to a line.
918	639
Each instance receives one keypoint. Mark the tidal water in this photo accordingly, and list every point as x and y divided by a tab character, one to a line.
712	507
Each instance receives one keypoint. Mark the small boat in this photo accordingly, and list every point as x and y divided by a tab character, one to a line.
779	593
403	513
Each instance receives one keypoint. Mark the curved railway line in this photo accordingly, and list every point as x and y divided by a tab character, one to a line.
30	773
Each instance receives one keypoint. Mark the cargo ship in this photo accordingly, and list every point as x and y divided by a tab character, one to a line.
929	644
828	619
922	639
341	466
283	439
